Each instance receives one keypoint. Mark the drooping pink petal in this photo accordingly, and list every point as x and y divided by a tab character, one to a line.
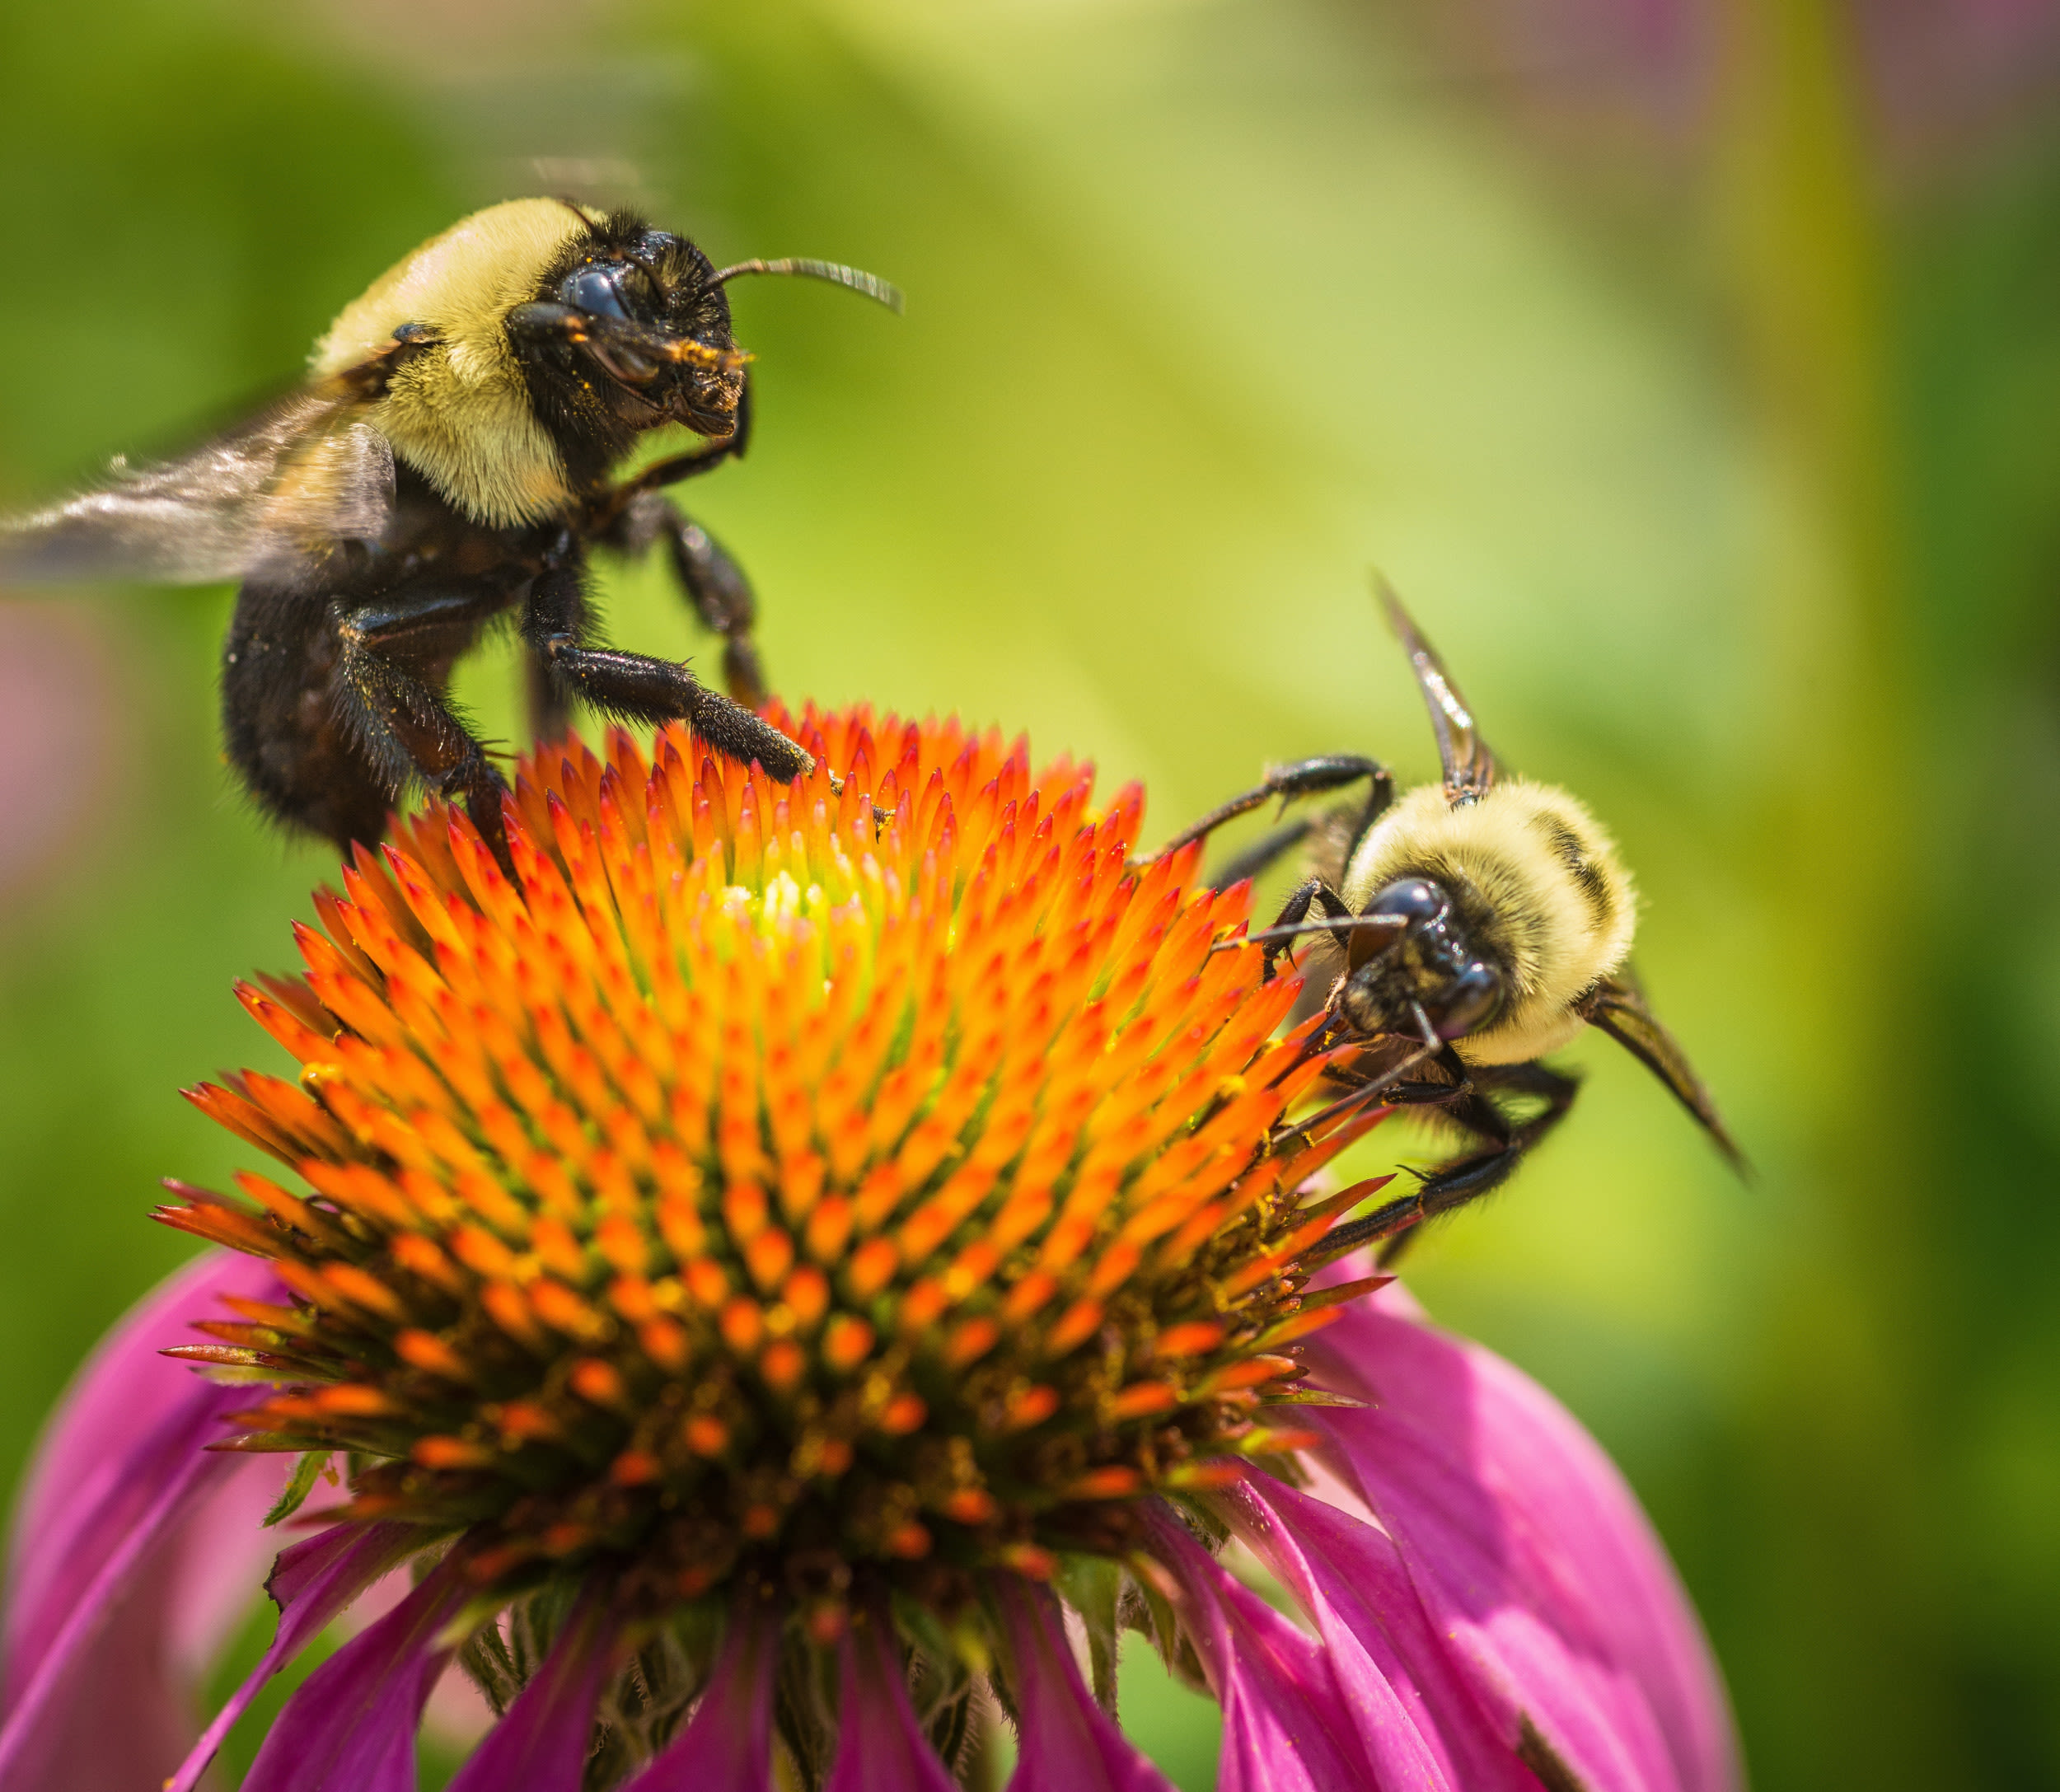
1417	1717
542	1742
1287	1725
880	1746
1531	1555
223	1552
1065	1743
350	1725
313	1581
96	1561
727	1745
161	1636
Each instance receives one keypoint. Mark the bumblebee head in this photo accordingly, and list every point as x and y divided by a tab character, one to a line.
634	322
638	325
1434	963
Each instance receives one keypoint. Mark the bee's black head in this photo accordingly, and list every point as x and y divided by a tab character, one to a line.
1434	963
630	329
657	328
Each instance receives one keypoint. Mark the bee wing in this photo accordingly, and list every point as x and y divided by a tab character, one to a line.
305	470
1469	767
1618	1006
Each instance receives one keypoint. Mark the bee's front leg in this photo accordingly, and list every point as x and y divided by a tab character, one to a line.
1305	777
637	515
715	584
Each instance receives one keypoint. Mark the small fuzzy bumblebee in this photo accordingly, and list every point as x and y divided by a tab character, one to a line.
1477	924
448	463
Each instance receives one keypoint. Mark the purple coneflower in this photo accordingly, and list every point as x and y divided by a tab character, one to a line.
795	1271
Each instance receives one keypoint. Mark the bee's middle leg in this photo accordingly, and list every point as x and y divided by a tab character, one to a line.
713	583
640	688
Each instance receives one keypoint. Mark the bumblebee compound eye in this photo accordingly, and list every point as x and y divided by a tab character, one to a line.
1414	899
596	289
1467	1003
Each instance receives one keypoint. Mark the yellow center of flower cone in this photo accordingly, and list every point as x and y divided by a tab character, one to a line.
890	1176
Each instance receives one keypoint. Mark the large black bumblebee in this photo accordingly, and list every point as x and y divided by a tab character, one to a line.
447	463
1473	925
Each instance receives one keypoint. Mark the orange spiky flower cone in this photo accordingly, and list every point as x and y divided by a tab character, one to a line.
764	1263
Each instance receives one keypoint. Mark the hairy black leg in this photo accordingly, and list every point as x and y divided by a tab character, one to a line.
403	723
637	688
299	759
1305	777
713	583
1467	1178
1293	917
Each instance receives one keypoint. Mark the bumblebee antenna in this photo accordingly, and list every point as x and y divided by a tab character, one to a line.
580	211
857	279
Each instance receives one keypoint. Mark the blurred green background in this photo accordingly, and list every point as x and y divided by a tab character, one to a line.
1693	368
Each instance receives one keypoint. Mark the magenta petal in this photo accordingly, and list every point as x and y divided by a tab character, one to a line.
1066	1742
1418	1719
727	1745
350	1726
118	1474
313	1581
186	1597
1531	1555
1287	1722
540	1744
223	1552
880	1746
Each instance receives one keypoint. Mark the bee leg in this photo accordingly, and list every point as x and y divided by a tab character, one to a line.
1293	920
635	687
1305	777
1467	1179
713	583
404	724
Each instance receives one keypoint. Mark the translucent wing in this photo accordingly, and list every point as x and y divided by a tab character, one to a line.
1617	1007
308	469
1469	767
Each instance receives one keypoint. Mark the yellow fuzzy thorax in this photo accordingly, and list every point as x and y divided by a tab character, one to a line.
459	413
1534	858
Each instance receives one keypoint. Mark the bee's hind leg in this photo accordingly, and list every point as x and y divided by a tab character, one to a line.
404	724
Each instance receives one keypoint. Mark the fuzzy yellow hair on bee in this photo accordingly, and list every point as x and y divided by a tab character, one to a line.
1533	872
459	411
